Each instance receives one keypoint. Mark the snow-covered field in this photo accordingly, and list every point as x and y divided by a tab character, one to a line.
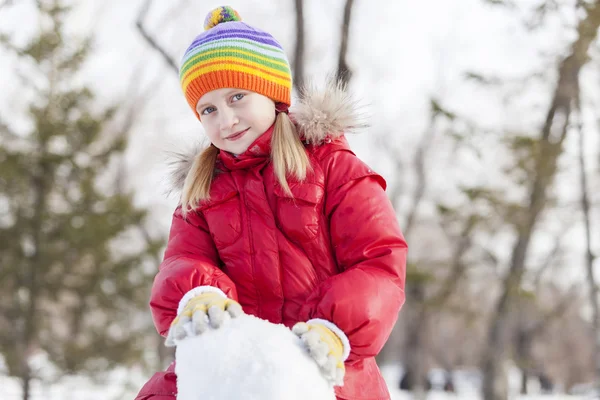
77	388
124	384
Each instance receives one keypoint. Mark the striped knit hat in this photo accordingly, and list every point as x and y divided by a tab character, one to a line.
232	54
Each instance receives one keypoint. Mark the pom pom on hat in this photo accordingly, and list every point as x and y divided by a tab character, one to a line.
220	15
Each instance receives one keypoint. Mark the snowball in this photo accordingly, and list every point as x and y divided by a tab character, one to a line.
248	358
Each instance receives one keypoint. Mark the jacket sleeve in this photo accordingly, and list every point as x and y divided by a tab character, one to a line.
191	261
364	299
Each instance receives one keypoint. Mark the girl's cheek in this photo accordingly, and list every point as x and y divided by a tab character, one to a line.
215	132
210	132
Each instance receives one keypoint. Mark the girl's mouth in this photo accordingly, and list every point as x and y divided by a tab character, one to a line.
237	135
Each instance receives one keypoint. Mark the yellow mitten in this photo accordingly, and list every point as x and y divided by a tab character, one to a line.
328	348
202	311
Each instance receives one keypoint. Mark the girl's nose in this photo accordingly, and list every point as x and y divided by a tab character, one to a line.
228	118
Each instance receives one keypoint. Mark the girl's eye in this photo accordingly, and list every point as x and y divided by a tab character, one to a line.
238	96
208	110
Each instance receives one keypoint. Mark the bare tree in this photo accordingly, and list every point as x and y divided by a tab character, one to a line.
529	327
153	43
424	301
435	111
414	376
589	255
343	70
549	148
299	49
563	347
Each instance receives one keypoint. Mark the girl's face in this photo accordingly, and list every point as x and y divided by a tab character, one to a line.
234	118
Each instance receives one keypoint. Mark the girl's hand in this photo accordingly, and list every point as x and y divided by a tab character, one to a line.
201	312
326	348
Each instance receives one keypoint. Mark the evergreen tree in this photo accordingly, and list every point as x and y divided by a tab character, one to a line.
74	269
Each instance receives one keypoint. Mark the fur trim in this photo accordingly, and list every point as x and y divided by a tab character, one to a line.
320	114
180	163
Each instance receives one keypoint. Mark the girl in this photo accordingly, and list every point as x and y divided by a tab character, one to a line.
278	218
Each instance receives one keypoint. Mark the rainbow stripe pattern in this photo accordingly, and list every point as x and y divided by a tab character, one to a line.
232	54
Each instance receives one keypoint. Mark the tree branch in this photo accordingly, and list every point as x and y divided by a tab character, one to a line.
457	267
139	23
419	164
556	312
548	259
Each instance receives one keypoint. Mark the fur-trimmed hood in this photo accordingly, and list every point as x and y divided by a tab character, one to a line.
319	114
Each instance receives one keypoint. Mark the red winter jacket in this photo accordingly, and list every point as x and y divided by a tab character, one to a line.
334	252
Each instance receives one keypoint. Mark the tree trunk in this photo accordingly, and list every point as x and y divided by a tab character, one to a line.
343	71
589	256
550	142
414	346
40	187
26	380
523	351
299	51
524	379
420	168
494	387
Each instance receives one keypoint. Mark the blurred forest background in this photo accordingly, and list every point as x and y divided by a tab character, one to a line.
485	121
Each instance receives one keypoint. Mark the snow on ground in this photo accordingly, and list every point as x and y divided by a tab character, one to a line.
80	388
466	383
123	384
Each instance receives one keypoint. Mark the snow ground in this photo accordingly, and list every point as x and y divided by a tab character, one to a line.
123	385
79	388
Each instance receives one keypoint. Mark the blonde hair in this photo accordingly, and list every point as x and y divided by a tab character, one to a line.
287	155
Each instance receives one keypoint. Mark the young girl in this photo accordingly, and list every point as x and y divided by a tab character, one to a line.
278	218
